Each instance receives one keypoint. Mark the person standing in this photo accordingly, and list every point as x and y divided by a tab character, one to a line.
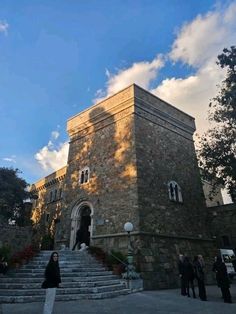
51	282
79	238
198	264
188	276
222	279
181	269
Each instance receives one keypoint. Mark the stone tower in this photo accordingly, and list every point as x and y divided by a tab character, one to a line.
132	158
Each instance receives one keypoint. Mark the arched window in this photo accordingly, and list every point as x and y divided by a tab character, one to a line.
84	175
51	196
175	193
55	195
60	193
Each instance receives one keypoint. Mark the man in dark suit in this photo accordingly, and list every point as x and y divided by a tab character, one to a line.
181	270
79	238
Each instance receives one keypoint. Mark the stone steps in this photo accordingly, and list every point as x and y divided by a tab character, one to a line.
83	290
61	297
37	285
82	278
66	279
63	269
63	274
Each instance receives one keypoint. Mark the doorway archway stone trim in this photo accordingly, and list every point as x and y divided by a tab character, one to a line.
75	218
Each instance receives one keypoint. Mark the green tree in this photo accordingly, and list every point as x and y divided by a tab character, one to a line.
217	152
12	196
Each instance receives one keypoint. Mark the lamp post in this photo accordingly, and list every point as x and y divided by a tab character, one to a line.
128	227
130	269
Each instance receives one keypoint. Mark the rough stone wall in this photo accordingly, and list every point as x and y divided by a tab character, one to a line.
156	257
17	238
165	152
107	148
134	144
222	223
46	209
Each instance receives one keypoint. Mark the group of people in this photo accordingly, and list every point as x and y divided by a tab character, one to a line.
190	271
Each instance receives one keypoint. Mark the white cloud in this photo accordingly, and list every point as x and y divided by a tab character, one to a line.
205	37
197	44
192	94
141	73
53	156
55	134
12	158
3	27
53	159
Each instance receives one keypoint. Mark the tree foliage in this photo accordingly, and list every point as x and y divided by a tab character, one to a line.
217	153
12	196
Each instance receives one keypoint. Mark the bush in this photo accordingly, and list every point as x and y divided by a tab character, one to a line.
98	253
5	253
47	242
116	258
26	254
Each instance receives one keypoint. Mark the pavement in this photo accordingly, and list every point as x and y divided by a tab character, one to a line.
160	302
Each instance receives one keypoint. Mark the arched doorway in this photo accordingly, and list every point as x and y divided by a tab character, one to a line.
81	217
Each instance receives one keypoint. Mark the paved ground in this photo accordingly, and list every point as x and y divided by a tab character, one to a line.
160	302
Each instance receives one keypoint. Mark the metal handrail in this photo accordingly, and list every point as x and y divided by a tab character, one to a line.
117	258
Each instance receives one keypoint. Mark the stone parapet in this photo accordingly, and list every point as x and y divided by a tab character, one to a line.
17	238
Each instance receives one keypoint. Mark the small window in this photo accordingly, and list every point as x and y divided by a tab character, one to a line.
175	193
225	240
47	217
84	175
51	196
60	193
55	195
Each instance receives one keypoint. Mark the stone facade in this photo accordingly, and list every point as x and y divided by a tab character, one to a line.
132	158
47	207
17	238
222	224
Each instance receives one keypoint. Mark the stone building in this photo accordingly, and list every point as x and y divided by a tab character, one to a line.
131	158
222	225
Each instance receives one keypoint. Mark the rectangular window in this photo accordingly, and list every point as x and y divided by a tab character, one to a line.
226	241
47	217
51	197
55	195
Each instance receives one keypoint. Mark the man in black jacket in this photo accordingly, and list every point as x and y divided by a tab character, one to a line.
79	238
181	271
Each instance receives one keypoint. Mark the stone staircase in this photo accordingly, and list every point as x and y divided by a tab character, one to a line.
82	276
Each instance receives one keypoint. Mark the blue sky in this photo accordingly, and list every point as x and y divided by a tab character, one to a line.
59	57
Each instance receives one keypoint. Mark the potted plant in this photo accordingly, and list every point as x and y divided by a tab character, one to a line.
98	253
117	262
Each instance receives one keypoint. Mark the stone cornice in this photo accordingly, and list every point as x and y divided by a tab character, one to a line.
52	179
137	100
124	111
142	108
101	111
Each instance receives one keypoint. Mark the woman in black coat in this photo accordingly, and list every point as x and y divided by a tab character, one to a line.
188	276
51	282
222	279
198	266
